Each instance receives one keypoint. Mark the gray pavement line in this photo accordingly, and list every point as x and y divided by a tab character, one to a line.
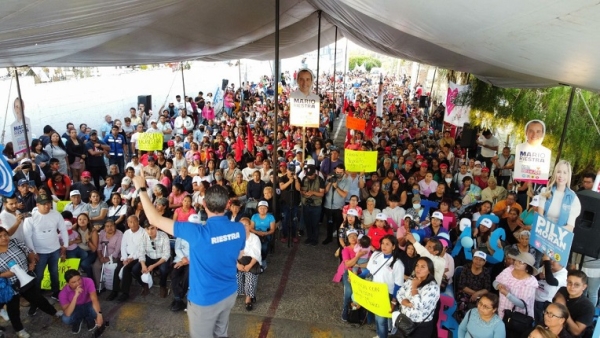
339	127
266	325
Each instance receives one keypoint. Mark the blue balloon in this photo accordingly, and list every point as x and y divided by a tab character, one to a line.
467	242
417	237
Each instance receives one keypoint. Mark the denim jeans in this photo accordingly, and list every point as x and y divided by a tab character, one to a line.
87	259
347	295
264	246
593	287
51	260
381	325
290	214
82	312
311	221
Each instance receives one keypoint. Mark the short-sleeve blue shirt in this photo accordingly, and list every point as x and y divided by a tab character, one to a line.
214	250
261	224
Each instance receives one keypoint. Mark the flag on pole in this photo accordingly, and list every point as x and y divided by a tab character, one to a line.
7	187
250	144
239	148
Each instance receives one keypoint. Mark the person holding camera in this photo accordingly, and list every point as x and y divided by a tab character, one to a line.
290	198
336	190
312	190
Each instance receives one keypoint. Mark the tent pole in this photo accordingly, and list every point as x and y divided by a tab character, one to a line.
431	91
183	82
25	127
240	83
276	101
564	131
334	64
345	66
318	52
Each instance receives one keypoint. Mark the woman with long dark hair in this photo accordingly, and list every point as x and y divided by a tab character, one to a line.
40	156
9	154
56	149
76	154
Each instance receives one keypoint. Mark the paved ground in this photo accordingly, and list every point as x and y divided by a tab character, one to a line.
296	298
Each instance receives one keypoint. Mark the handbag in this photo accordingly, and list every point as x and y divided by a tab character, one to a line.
357	315
406	326
245	260
517	321
369	277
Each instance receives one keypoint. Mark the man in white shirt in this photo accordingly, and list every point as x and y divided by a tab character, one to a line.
134	138
135	164
249	170
153	128
11	219
129	254
40	232
183	122
432	249
489	146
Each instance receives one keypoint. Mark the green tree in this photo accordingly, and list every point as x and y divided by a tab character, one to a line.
494	106
367	61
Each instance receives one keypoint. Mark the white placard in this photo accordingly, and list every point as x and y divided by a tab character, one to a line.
305	110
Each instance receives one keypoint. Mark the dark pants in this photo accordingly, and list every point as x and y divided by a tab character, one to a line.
336	217
487	160
87	259
289	221
35	298
163	268
180	281
119	161
311	221
503	181
127	276
97	173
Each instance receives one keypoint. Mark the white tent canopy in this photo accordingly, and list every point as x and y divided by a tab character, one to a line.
509	43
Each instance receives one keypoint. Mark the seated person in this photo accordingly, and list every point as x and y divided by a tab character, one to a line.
502	208
581	310
474	281
247	280
154	251
180	274
79	303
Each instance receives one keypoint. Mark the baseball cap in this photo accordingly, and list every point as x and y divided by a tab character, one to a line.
310	161
310	170
93	132
23	181
153	121
263	204
147	278
195	218
334	148
485	170
86	174
409	162
150	158
352	212
444	165
480	254
196	179
298	151
25	160
74	193
535	201
477	162
438	215
351	232
381	216
126	180
424	165
464	223
282	164
420	157
42	199
487	223
408	216
171	143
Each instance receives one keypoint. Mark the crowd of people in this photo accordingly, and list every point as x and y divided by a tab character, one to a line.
396	225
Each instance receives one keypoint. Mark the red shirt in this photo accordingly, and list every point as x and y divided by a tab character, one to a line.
376	234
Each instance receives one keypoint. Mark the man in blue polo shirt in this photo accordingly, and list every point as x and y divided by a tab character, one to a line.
116	142
214	250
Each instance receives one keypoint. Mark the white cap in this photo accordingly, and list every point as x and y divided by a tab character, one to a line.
310	161
535	201
444	235
438	215
74	192
263	204
25	160
486	222
480	254
408	216
126	180
195	218
381	217
464	223
352	212
477	163
351	232
147	278
196	179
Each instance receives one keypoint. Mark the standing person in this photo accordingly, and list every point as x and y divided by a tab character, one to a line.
56	149
213	260
117	144
505	163
40	235
95	161
489	146
11	219
312	190
336	190
290	198
76	154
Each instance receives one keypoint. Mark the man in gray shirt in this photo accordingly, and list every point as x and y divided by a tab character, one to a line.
336	190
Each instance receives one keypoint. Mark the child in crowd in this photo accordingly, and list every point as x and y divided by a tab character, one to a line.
73	235
394	212
364	245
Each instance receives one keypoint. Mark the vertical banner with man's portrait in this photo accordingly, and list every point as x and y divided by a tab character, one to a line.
532	159
18	129
305	110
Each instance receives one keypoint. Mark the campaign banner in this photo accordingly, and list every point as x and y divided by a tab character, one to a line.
68	264
371	295
532	159
355	123
150	141
551	239
456	114
18	130
305	111
360	161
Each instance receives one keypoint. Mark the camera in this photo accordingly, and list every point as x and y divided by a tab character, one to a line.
309	202
332	179
291	167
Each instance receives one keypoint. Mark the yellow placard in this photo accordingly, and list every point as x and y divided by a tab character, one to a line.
71	263
360	161
371	295
150	141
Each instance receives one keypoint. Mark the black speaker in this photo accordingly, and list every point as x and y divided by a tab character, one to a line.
146	100
423	101
224	84
468	139
586	235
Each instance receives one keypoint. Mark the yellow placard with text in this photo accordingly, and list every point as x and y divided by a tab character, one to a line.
371	295
150	141
71	263
360	161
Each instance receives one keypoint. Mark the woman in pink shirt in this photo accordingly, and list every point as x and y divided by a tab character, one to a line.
182	213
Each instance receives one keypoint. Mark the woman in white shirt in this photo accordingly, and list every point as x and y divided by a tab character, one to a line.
386	267
117	212
247	280
559	203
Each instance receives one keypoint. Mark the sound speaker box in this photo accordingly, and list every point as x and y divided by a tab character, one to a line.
224	84
586	235
146	100
468	139
423	101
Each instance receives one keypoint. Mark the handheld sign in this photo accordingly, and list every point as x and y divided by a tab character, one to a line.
371	295
551	239
464	243
305	110
355	123
532	159
360	161
150	141
68	264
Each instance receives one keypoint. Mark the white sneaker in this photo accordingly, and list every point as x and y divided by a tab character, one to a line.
23	334
4	314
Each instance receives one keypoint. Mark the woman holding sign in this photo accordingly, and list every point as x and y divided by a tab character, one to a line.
559	203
